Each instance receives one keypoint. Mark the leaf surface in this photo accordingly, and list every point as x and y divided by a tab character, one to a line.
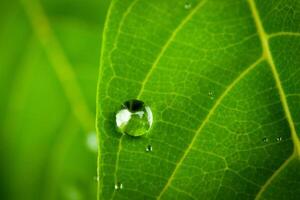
221	78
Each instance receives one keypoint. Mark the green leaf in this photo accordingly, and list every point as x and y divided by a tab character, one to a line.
222	80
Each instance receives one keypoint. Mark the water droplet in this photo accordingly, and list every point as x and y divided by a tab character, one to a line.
265	140
278	139
91	141
149	148
187	5
211	95
134	118
118	186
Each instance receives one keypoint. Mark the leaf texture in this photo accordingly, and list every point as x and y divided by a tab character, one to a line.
221	78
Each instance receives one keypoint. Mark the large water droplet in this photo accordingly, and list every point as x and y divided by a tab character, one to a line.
149	148
134	118
187	5
118	186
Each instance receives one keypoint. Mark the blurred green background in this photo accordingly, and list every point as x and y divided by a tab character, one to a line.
48	76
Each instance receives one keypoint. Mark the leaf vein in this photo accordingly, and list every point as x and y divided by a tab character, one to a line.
167	44
268	56
217	103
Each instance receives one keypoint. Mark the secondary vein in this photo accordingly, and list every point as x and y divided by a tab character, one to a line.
219	100
167	44
284	33
268	56
269	181
122	21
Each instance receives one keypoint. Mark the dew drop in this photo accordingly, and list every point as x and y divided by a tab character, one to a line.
211	95
187	5
134	118
265	140
278	139
118	186
149	148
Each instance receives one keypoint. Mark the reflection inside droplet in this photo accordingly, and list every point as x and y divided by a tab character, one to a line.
134	118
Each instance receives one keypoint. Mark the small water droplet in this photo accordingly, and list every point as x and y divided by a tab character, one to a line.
278	139
149	148
118	186
211	95
187	5
91	141
134	118
265	140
